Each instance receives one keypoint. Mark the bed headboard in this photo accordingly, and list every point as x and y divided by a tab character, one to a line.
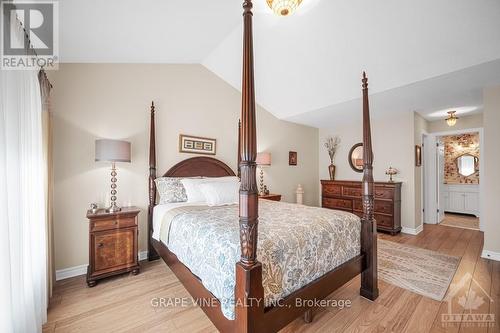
200	166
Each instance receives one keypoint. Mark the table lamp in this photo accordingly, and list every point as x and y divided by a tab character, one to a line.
112	151
263	159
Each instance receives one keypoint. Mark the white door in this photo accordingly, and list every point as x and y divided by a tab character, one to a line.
440	181
430	177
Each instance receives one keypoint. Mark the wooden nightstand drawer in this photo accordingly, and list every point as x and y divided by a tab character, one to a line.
124	222
113	249
272	197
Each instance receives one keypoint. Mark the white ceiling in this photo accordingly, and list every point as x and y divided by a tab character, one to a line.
145	31
421	55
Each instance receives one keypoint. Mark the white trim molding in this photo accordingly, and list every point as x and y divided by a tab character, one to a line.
67	273
412	231
70	272
490	255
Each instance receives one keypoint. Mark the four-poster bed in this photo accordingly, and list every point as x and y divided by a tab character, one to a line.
250	312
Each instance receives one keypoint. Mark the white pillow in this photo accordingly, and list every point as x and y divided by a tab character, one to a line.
220	193
222	179
193	190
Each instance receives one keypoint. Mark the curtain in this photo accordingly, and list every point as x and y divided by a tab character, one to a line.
23	236
45	88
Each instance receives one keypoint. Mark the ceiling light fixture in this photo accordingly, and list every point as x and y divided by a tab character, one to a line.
283	7
452	118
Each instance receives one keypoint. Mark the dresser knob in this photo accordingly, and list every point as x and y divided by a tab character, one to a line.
100	245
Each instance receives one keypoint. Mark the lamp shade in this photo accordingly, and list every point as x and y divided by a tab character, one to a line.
112	150
263	159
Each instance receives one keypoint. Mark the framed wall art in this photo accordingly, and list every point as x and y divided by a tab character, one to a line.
292	158
418	155
197	145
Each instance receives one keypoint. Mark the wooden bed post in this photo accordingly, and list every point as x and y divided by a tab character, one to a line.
152	254
249	293
369	279
239	148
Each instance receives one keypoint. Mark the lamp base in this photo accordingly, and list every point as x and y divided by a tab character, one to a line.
113	209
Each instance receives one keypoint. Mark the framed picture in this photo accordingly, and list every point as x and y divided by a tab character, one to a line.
197	145
418	155
292	158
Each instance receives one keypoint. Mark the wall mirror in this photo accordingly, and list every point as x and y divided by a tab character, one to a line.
356	157
467	164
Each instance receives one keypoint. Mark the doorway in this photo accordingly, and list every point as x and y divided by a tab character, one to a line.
451	186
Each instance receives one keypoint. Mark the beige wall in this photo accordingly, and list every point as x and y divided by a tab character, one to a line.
464	122
491	158
392	146
93	101
421	126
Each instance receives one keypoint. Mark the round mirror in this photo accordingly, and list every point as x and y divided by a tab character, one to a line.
467	165
356	157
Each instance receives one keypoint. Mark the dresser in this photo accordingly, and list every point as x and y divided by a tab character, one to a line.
346	195
112	243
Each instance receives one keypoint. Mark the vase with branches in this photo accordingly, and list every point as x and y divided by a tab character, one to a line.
331	144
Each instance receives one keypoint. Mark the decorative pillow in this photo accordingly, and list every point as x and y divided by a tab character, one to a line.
170	190
222	179
192	187
220	193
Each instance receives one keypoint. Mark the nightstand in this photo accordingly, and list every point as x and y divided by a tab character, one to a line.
112	243
273	197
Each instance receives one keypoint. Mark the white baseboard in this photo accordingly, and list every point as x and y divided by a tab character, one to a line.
67	273
412	231
490	255
70	272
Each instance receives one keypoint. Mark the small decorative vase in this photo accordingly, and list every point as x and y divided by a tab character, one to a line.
331	171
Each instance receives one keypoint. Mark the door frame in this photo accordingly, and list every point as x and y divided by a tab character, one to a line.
433	206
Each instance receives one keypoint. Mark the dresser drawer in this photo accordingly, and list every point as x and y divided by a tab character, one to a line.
113	249
383	193
384	207
331	190
337	204
115	223
354	192
384	221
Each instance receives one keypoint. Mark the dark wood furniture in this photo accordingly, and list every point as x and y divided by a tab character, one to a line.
273	197
250	313
347	195
112	243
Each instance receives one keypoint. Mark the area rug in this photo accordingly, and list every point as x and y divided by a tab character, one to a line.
424	272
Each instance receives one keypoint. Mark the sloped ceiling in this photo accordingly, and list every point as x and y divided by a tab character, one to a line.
308	66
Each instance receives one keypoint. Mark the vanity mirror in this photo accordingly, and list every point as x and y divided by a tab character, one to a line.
467	165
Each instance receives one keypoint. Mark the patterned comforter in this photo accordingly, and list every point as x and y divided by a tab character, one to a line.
296	245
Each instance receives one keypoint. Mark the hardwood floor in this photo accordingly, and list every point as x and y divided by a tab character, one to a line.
123	304
461	221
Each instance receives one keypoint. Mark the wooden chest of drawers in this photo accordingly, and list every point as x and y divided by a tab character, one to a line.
346	195
112	243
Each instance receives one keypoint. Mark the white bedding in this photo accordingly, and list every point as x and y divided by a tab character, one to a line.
297	244
159	212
